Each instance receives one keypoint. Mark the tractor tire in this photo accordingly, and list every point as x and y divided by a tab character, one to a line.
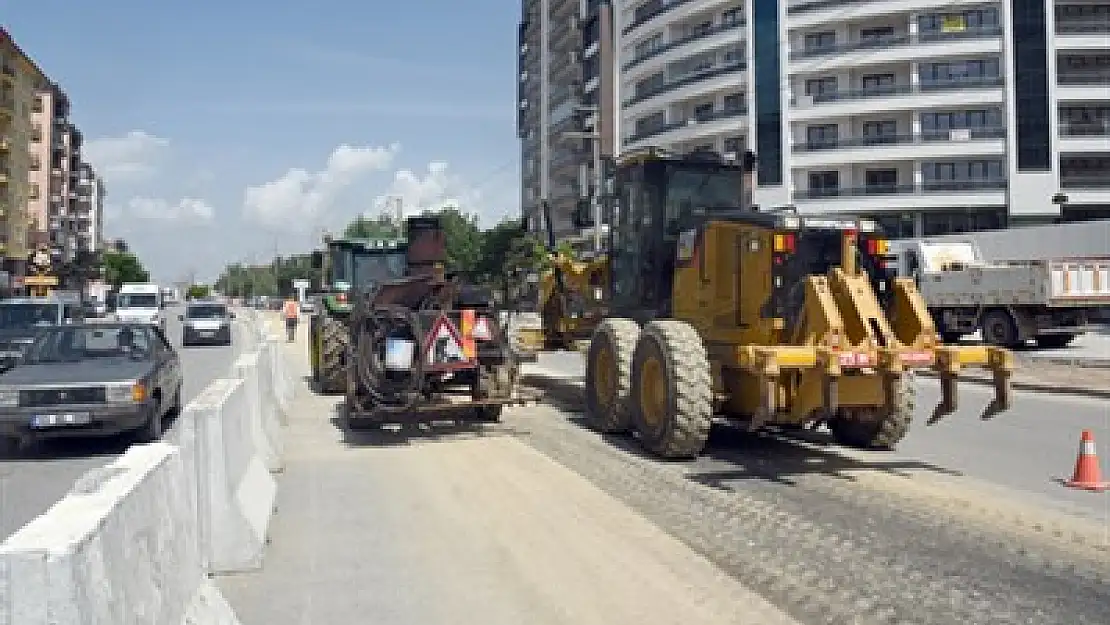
867	428
672	390
609	376
334	342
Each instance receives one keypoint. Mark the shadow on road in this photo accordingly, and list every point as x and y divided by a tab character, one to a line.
410	433
778	456
59	449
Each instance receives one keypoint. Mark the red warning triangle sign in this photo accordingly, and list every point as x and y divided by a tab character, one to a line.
482	330
444	344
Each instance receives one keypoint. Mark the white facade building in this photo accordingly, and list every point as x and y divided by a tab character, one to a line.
932	116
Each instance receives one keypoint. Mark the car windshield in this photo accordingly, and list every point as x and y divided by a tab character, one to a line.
20	316
80	343
137	300
206	311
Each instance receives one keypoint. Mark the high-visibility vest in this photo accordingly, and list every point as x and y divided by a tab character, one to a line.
290	309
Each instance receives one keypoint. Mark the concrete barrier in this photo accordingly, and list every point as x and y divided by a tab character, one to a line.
255	370
234	489
122	548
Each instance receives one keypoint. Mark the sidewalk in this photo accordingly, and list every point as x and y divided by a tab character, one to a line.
460	529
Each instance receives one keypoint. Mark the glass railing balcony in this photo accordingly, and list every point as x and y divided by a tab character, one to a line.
904	39
887	91
1077	27
964	134
931	186
1100	78
683	123
688	78
1095	180
816	5
678	43
650	11
1093	129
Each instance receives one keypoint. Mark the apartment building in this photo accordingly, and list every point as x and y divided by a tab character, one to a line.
20	78
88	214
566	118
62	213
932	116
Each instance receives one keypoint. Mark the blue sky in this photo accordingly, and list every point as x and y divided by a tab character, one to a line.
227	129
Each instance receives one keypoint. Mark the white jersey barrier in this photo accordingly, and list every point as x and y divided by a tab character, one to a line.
120	549
254	369
134	541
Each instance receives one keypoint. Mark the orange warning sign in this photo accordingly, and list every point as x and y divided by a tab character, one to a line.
470	349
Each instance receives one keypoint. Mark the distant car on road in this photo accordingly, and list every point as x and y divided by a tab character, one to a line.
207	322
23	317
96	379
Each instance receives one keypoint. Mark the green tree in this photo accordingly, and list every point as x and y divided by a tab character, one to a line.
120	267
464	241
198	291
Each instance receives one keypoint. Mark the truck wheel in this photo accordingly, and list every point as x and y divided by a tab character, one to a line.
1053	341
672	390
333	349
609	375
999	329
870	428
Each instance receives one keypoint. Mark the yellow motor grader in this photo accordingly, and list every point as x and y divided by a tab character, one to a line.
720	310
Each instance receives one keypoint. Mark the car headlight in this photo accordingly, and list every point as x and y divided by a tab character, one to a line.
126	393
9	397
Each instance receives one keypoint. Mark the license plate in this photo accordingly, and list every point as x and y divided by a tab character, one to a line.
60	419
207	332
10	354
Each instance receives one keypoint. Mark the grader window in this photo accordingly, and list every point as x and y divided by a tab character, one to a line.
703	188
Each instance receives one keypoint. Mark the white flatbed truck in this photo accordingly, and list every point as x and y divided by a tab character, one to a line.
1050	301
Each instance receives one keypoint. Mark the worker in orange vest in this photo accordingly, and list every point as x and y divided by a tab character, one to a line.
292	315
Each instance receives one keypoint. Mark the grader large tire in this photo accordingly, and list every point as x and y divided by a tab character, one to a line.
869	428
609	376
672	390
334	341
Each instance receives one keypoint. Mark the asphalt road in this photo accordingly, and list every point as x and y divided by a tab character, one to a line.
29	485
1024	450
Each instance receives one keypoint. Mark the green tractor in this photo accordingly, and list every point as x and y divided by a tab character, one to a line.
347	265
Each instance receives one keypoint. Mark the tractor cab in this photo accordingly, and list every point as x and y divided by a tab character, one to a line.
358	265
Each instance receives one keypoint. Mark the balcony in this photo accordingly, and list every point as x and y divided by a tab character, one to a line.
700	125
688	79
678	43
924	146
879	44
7	73
1086	137
5	144
1099	180
7	102
896	198
651	10
966	92
5	175
1087	35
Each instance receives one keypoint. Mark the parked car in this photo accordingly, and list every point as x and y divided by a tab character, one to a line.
94	379
206	322
23	317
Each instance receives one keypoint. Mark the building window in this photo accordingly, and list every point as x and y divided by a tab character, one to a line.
735	102
873	36
878	83
824	136
650	85
816	87
879	132
958	175
649	46
768	91
732	17
34	191
824	183
946	23
881	180
948	72
734	145
703	112
819	42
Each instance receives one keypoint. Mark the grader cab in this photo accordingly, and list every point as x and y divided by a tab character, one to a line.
768	318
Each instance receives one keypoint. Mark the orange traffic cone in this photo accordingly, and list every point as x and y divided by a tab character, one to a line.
1087	475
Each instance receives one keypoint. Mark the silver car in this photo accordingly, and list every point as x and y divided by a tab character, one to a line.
206	322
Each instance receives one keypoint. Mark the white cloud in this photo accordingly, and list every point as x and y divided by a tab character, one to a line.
132	156
301	195
439	188
185	209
